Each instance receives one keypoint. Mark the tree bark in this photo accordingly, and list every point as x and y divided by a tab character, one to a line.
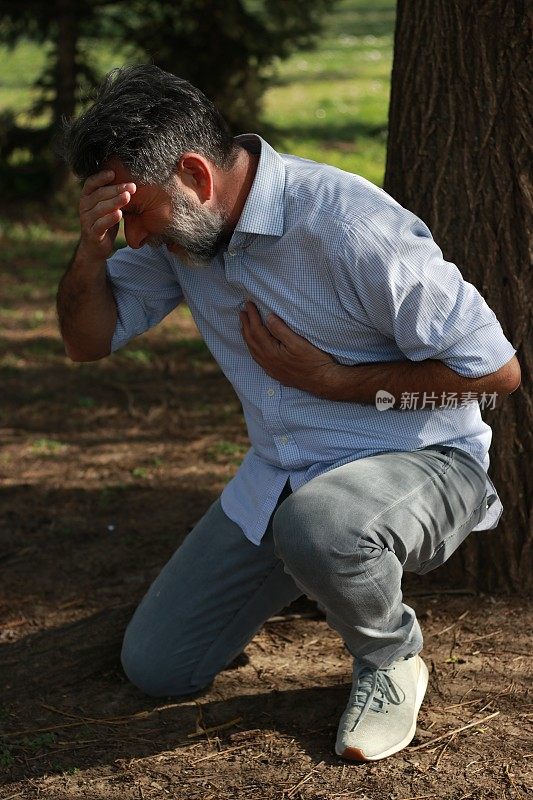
66	46
458	157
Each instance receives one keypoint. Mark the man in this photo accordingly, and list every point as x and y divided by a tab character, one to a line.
358	353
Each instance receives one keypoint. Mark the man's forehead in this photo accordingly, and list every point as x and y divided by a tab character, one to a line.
122	173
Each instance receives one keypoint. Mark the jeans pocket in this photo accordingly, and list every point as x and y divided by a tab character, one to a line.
454	539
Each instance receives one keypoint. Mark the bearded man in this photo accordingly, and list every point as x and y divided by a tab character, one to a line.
327	305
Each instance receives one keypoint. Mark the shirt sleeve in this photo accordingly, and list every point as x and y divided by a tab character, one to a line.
414	296
145	288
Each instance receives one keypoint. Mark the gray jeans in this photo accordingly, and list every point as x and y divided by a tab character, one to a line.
344	539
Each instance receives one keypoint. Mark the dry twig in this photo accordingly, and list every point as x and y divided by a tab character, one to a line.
439	757
292	791
453	733
456	705
479	638
290	617
219	753
214	728
418	797
453	625
139	715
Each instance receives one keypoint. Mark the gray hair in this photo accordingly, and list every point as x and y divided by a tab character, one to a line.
146	119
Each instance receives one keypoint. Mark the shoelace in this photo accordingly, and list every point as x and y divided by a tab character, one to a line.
374	687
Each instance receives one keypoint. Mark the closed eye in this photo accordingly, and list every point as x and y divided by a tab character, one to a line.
129	209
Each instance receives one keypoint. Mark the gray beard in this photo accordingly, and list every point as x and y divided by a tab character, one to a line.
202	233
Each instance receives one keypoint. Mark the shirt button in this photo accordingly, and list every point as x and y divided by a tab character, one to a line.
284	439
231	253
271	392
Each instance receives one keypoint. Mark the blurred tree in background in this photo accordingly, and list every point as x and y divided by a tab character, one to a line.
62	25
225	47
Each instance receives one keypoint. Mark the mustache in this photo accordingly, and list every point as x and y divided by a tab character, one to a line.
159	240
199	232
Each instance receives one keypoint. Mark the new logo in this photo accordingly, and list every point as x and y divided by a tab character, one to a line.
384	400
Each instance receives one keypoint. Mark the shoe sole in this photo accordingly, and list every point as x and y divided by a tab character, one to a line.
356	754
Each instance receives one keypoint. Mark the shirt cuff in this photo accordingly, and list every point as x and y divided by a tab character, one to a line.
479	353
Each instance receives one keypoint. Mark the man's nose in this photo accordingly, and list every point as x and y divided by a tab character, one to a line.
134	232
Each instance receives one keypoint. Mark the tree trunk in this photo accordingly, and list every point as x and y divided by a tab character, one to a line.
458	158
66	46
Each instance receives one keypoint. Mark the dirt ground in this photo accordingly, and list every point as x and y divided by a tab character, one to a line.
104	469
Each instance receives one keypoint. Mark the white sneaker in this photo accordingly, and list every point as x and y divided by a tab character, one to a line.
380	717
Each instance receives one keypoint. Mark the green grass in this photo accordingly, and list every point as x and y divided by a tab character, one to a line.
329	104
7	758
139	354
226	452
48	447
20	66
18	69
40	254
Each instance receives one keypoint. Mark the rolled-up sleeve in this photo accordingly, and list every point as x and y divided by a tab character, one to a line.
414	296
145	288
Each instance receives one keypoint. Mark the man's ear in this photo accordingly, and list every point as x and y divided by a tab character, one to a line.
196	173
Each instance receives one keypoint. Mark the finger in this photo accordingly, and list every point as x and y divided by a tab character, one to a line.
281	331
96	180
106	206
253	312
258	350
104	193
103	224
257	328
245	327
257	332
113	230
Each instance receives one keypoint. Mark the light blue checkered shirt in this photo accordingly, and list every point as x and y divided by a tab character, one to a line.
359	276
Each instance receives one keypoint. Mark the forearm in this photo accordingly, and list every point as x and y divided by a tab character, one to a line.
429	380
86	309
294	361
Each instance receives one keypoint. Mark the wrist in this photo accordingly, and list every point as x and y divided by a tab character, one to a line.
90	254
88	264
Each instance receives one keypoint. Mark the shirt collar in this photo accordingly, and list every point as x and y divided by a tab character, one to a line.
263	211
